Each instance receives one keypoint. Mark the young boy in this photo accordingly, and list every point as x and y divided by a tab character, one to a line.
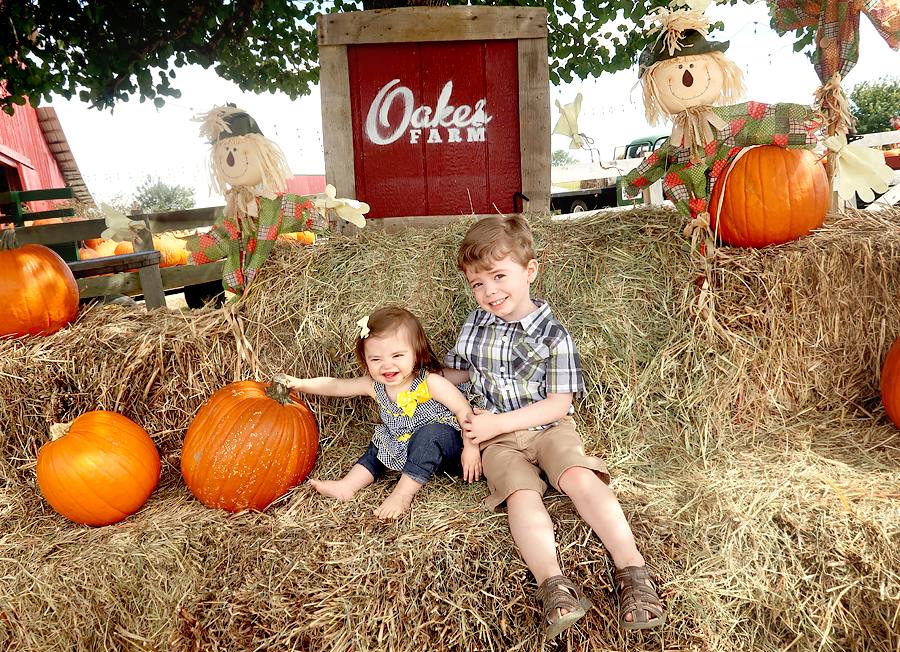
525	363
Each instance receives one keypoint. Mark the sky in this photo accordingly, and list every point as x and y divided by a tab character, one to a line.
115	151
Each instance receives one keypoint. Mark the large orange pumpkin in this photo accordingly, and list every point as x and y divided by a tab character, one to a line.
248	445
98	469
38	292
770	195
890	383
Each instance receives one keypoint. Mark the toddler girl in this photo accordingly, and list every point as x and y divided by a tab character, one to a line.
420	412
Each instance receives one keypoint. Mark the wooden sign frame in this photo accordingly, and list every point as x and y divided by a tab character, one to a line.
526	25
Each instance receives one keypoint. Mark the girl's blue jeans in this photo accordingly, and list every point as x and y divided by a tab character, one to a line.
432	448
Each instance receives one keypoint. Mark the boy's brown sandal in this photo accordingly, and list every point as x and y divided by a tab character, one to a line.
638	598
556	593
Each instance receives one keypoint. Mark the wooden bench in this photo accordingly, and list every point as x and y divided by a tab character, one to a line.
12	211
116	275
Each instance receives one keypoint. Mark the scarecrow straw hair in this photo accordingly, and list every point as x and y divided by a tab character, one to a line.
213	122
732	86
756	467
672	24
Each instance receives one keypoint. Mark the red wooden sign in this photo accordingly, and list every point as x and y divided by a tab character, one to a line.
436	127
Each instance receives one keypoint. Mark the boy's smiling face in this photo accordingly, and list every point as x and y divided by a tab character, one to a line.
504	288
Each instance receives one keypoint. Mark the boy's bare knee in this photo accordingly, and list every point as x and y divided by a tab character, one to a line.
524	497
577	478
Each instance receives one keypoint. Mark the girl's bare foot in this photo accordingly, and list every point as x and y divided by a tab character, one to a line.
394	505
337	489
400	498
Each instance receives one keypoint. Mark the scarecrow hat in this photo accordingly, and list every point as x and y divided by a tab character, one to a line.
689	42
227	122
240	124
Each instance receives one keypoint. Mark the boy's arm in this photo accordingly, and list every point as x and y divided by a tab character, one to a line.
326	386
456	376
451	368
485	425
446	393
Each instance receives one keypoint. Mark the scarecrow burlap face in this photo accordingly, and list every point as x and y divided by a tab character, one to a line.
236	161
684	82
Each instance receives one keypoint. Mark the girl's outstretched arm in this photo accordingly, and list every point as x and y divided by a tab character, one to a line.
327	386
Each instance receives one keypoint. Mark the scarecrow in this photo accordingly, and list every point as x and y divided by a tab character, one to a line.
251	172
687	78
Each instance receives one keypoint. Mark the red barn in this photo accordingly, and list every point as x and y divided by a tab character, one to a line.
34	155
306	184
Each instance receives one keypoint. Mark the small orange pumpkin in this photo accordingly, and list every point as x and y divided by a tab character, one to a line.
173	250
46	220
770	195
124	247
98	469
107	248
306	237
249	443
86	253
38	292
890	383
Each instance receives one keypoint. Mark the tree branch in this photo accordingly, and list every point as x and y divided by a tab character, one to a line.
191	22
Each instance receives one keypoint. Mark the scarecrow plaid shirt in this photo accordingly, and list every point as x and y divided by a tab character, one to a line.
514	364
245	254
689	185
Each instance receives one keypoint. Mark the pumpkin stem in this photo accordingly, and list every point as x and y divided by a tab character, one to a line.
59	430
8	240
278	389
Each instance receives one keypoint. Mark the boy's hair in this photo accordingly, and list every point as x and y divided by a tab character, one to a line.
491	238
385	322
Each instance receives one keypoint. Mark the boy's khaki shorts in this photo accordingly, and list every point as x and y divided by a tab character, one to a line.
514	460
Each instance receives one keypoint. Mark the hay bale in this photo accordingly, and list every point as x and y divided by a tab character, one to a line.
754	462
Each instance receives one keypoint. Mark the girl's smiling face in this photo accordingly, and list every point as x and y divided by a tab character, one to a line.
391	360
683	82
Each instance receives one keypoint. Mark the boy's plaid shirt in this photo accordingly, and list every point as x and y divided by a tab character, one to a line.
514	364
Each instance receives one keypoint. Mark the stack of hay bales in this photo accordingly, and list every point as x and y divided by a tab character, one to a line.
753	459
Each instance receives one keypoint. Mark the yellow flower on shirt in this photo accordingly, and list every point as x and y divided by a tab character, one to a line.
409	400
